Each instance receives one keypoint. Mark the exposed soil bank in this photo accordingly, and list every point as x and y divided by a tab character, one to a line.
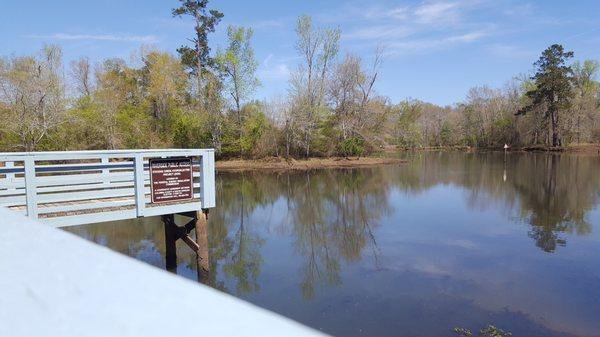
278	163
275	163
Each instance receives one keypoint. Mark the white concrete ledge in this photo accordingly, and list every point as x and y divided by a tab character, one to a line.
53	283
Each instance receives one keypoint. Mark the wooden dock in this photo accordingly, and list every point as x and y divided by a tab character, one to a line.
80	187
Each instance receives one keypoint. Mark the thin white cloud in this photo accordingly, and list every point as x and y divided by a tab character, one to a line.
510	51
436	12
427	45
429	12
465	38
97	37
274	70
264	24
520	10
379	32
428	26
398	13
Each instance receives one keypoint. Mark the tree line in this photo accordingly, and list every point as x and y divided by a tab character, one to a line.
201	98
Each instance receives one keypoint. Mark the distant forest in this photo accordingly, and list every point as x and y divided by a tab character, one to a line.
197	98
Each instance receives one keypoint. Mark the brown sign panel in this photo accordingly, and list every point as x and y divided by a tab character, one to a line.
171	179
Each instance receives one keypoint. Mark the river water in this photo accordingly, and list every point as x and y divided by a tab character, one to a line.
445	240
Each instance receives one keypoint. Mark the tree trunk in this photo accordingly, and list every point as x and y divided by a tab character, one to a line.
555	137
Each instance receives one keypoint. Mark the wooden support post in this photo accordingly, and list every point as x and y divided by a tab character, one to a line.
200	247
202	241
170	239
191	243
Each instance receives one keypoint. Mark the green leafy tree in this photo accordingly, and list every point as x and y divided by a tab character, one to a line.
406	131
238	65
553	87
116	88
353	146
192	131
164	84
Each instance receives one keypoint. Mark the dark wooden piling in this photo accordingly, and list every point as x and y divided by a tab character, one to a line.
202	241
170	242
199	223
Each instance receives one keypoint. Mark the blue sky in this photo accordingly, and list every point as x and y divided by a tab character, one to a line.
434	50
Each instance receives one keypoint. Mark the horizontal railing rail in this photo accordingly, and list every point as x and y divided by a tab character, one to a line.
77	187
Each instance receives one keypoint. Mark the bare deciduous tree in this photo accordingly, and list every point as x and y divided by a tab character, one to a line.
318	48
33	90
81	73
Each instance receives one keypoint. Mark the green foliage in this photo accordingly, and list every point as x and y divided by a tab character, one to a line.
84	127
164	84
251	139
353	146
583	76
446	133
407	129
488	331
254	127
492	331
191	131
462	332
230	137
503	130
331	108
238	66
135	127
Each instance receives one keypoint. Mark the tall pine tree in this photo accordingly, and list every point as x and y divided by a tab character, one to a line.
196	59
553	87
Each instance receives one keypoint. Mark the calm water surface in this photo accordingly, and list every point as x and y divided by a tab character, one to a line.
448	239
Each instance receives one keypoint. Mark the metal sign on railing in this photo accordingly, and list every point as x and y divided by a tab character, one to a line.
77	187
171	179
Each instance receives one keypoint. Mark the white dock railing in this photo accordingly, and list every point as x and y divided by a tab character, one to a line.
78	187
55	284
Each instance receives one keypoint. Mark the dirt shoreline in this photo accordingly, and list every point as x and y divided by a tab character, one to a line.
278	163
302	164
574	148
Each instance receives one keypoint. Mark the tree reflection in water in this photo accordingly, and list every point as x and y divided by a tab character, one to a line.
378	251
551	193
332	216
555	198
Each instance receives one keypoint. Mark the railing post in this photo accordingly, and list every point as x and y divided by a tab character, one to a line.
138	176
30	186
10	176
207	179
105	172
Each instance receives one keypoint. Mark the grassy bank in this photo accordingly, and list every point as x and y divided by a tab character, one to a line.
276	163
